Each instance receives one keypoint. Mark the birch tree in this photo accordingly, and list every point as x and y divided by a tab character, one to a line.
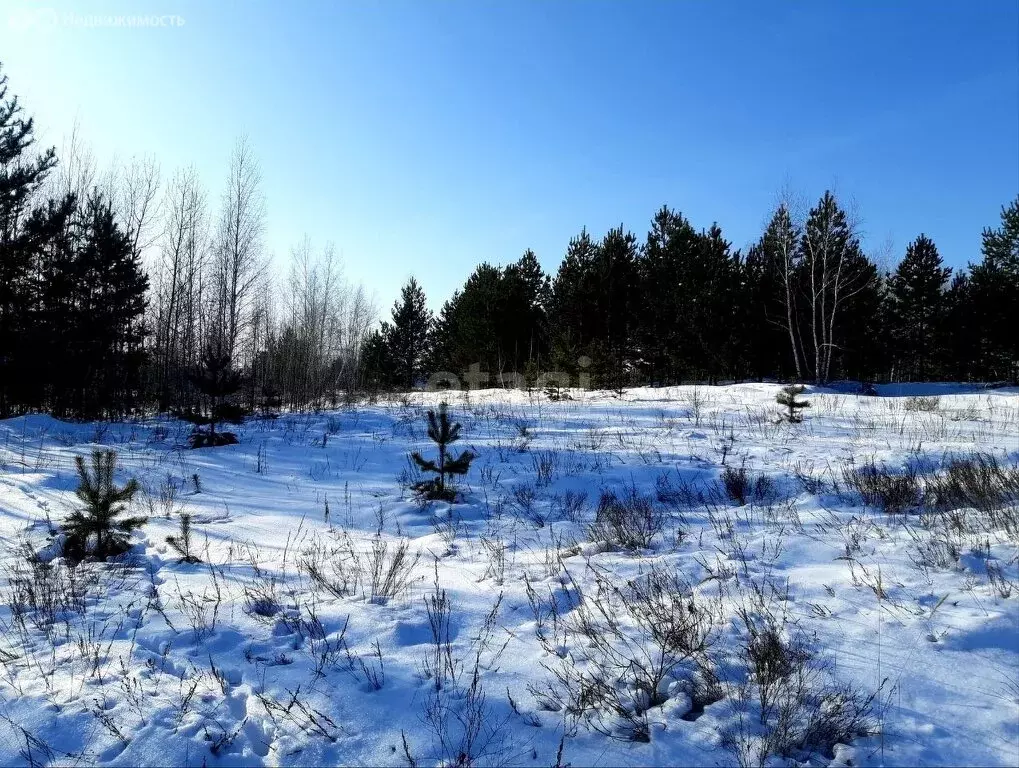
179	282
781	248
138	202
834	271
239	259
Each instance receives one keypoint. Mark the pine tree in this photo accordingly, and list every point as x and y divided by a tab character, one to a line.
787	397
523	320
616	300
107	328
98	529
994	290
48	339
663	267
378	368
712	313
538	285
863	325
467	330
443	433
760	322
21	176
216	380
961	331
406	338
443	355
182	541
573	314
771	272
1001	245
916	293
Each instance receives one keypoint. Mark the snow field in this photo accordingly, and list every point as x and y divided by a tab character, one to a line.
738	604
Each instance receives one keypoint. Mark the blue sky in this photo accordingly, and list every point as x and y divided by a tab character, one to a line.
424	136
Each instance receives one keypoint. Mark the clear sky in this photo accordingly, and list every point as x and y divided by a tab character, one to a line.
425	136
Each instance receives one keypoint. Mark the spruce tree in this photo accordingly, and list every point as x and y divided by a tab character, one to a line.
98	528
916	294
443	432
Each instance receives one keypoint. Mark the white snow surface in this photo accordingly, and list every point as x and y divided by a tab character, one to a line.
154	668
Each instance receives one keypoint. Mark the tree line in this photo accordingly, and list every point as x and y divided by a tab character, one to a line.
803	303
121	292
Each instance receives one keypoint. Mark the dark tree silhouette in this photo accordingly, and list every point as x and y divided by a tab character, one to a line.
216	381
916	296
406	338
21	175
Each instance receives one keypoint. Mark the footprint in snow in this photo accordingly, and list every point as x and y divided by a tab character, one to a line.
111	752
408	633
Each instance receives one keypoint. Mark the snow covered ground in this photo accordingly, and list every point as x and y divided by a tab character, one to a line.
788	621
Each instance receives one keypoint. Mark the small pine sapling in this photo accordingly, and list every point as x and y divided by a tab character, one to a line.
787	397
97	528
217	382
531	375
443	433
182	542
556	393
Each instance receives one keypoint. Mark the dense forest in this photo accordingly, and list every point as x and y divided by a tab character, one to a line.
121	292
